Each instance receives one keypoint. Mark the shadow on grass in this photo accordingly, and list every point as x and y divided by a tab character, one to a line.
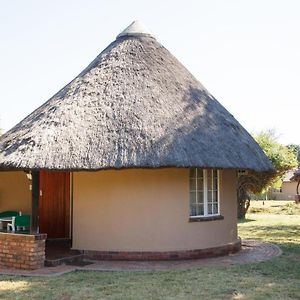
282	232
285	236
242	221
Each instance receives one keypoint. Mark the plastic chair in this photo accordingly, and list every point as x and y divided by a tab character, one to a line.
8	213
19	223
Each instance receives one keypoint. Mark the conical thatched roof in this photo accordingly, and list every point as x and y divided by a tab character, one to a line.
296	176
135	105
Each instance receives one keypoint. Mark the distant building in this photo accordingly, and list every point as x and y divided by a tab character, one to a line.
287	190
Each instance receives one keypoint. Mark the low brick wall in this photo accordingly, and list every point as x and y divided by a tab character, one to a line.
22	251
166	255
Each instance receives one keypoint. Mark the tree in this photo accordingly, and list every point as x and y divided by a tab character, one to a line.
296	149
282	158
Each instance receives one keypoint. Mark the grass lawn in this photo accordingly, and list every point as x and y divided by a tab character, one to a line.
287	207
276	279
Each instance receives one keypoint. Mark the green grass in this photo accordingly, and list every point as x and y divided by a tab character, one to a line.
275	279
275	207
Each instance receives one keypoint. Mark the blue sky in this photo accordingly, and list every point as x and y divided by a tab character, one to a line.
246	53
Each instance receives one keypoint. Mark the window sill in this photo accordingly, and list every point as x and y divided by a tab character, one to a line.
206	219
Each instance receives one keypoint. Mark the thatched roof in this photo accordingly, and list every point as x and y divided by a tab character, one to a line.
134	106
287	177
296	176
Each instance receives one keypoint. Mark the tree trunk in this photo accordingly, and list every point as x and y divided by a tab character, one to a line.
243	200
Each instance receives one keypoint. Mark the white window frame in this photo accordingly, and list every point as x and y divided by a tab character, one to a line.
205	194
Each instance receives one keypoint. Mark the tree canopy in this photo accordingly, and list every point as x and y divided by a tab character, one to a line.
296	149
282	158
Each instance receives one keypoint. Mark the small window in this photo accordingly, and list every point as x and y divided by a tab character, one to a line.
204	193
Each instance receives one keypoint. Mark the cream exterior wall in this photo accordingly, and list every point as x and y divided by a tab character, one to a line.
14	192
288	191
146	210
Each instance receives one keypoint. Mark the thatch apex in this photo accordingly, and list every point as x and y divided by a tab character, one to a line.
134	106
136	28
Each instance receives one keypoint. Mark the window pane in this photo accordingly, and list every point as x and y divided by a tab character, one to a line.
209	196
193	198
209	178
200	197
199	173
216	208
193	173
215	195
193	184
209	208
208	172
215	173
215	183
197	210
200	184
200	210
193	211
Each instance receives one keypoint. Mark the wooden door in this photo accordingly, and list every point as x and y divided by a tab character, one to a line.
54	204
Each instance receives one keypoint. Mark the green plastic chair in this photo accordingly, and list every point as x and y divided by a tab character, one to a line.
19	223
8	213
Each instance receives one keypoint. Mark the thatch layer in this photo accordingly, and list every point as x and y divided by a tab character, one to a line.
296	176
134	106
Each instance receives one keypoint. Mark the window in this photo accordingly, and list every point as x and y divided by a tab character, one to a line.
204	193
277	190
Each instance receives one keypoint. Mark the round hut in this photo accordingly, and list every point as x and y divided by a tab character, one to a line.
134	158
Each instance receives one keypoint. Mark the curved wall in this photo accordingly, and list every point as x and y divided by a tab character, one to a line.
146	210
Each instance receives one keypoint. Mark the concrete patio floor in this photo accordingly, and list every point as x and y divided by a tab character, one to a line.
252	252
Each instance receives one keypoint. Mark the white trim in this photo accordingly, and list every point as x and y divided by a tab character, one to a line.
219	185
205	193
196	185
202	216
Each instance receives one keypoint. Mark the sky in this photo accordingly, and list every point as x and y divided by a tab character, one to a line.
245	52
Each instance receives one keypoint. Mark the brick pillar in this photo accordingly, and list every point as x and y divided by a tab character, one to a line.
22	251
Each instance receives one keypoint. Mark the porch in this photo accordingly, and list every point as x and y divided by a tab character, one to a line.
43	197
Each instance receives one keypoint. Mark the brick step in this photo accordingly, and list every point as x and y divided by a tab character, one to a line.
69	260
